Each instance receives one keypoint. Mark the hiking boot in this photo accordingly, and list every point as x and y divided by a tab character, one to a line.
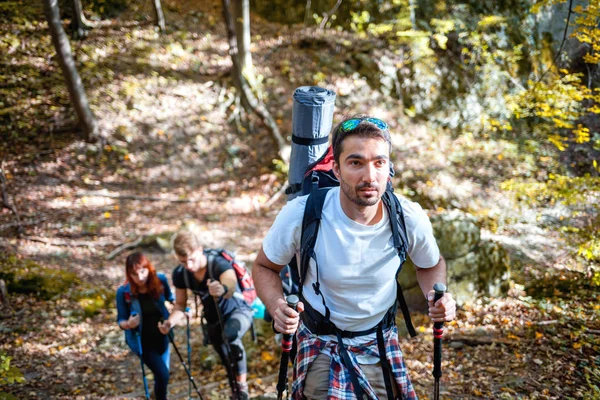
243	391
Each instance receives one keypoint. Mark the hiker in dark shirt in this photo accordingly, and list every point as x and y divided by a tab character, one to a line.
140	308
212	278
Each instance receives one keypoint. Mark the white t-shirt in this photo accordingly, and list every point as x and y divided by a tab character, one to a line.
357	263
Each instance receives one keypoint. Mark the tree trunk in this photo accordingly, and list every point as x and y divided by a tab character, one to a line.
158	13
79	23
241	14
244	90
87	120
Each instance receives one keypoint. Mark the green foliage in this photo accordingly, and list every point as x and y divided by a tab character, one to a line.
9	374
281	169
94	300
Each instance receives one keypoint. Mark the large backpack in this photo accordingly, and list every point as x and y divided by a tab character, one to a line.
318	179
244	278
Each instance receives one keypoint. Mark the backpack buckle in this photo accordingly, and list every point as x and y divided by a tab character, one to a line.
316	288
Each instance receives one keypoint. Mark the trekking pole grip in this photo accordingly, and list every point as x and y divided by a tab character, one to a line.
292	301
286	342
439	289
438	332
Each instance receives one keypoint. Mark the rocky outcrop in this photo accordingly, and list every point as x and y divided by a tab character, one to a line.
475	266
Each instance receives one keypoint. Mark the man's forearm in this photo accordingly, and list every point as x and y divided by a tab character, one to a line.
268	286
427	277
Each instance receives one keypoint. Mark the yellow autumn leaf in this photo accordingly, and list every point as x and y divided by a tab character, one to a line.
267	356
576	346
539	335
107	214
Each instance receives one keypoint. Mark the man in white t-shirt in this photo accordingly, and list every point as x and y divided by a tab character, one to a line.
351	280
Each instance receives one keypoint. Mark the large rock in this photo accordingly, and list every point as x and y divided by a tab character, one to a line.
463	278
410	288
475	267
457	233
494	269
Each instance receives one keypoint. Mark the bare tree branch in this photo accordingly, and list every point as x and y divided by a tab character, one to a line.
326	16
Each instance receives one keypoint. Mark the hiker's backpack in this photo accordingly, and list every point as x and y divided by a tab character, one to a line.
244	279
318	179
243	276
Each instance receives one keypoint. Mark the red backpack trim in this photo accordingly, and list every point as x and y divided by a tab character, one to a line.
244	278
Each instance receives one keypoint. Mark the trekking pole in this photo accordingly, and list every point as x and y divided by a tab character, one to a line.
190	377
230	364
286	346
438	332
133	314
189	348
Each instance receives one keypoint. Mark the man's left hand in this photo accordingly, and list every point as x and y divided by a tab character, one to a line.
444	309
215	288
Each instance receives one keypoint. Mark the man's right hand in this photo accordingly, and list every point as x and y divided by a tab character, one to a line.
285	319
164	327
133	321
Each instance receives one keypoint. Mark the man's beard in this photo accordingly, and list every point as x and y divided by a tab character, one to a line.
352	194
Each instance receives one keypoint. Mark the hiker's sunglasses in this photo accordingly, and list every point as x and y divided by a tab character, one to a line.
352	123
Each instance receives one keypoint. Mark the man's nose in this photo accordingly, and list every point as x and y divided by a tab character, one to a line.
370	174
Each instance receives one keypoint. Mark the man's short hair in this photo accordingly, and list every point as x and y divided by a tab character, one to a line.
364	129
185	243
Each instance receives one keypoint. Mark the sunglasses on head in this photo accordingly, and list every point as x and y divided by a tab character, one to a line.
352	123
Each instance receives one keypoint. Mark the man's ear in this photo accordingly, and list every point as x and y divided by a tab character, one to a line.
336	170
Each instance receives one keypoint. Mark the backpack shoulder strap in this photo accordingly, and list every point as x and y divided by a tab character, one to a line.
400	239
186	278
397	222
211	255
310	228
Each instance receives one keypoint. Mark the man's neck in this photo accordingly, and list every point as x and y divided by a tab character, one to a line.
365	215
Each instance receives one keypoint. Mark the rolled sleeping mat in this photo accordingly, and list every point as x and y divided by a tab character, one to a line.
312	117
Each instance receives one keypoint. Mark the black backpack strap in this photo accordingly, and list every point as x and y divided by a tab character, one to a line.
400	240
310	229
210	262
358	390
385	363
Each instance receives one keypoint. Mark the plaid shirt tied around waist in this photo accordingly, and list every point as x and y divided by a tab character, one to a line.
340	385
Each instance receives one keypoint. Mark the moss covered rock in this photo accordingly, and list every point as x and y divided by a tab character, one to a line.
457	233
28	277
